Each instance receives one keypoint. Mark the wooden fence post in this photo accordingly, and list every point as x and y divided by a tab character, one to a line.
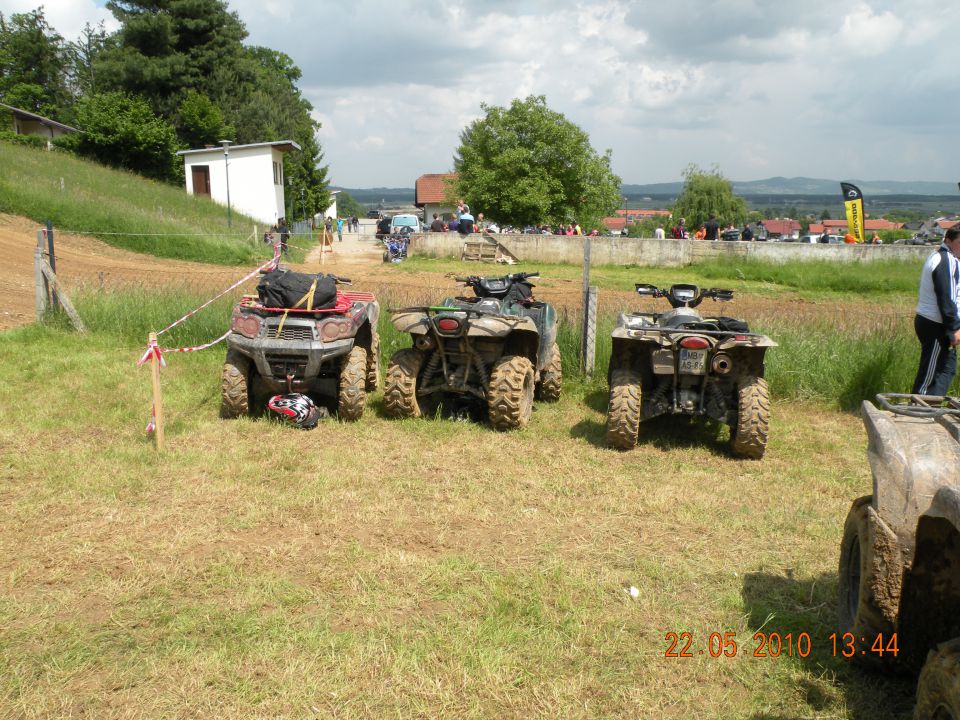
157	397
40	282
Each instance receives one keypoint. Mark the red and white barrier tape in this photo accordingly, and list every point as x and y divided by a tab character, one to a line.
272	262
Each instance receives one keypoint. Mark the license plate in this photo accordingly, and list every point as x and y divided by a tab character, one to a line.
693	362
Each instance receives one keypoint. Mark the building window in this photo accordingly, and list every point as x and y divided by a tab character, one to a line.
278	173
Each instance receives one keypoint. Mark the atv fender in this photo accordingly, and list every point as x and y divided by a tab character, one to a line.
413	323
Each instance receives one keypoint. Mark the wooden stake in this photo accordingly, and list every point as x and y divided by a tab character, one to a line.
40	282
157	398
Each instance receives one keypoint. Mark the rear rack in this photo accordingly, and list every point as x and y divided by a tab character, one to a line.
345	301
919	406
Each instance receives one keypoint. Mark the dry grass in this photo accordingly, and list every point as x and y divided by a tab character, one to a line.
404	569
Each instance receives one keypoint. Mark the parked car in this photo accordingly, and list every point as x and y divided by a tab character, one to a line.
817	238
412	222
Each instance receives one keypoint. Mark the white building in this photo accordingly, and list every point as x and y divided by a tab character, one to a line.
255	177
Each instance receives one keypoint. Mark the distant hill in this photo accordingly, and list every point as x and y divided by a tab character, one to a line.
372	197
805	186
797	186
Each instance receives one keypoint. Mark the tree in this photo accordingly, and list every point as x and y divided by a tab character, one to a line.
347	206
123	131
81	55
32	66
528	164
708	193
167	47
200	122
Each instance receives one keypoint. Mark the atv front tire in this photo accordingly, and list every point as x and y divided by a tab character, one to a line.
748	437
510	396
938	691
551	378
871	574
352	397
400	387
373	365
234	386
623	411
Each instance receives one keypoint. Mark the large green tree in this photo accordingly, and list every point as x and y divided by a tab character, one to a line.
33	66
528	164
123	131
260	97
166	48
708	193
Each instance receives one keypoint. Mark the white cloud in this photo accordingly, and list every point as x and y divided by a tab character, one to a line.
760	88
67	17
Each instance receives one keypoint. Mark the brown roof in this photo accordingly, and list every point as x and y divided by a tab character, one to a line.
868	225
613	223
947	224
781	226
432	188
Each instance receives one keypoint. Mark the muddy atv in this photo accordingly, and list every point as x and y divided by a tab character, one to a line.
331	354
682	363
899	589
488	355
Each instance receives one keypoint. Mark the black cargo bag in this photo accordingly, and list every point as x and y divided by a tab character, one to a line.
729	324
285	289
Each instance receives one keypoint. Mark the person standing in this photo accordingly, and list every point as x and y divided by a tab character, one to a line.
453	225
340	229
284	234
937	322
437	224
711	228
466	221
659	234
746	234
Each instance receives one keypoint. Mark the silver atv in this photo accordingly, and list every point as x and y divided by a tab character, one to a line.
488	355
899	590
682	363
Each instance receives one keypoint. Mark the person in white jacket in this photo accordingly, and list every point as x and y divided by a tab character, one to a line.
937	322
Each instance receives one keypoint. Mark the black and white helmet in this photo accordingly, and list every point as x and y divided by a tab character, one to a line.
296	409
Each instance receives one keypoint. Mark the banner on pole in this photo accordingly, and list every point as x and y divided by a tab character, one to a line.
853	202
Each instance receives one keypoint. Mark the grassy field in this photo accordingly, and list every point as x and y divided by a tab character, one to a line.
121	208
424	568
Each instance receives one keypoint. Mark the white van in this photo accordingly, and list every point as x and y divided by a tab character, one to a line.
397	222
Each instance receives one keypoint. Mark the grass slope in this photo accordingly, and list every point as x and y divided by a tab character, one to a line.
120	208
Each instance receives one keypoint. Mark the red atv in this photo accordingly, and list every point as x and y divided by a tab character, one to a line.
330	353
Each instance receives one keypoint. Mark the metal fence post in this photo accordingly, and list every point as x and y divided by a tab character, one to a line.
590	333
585	348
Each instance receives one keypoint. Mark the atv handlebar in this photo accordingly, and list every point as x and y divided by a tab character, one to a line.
515	277
683	295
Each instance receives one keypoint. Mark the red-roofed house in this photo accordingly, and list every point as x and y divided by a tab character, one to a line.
781	228
614	224
430	193
839	227
635	215
947	224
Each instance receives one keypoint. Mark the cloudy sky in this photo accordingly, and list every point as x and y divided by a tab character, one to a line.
859	90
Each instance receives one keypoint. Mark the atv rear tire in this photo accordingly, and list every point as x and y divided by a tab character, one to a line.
234	386
373	365
400	387
870	581
551	378
623	411
510	395
352	397
938	691
748	437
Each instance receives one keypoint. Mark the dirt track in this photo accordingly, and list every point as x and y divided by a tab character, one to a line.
83	260
86	261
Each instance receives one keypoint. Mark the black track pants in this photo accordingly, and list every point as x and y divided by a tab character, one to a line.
938	361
